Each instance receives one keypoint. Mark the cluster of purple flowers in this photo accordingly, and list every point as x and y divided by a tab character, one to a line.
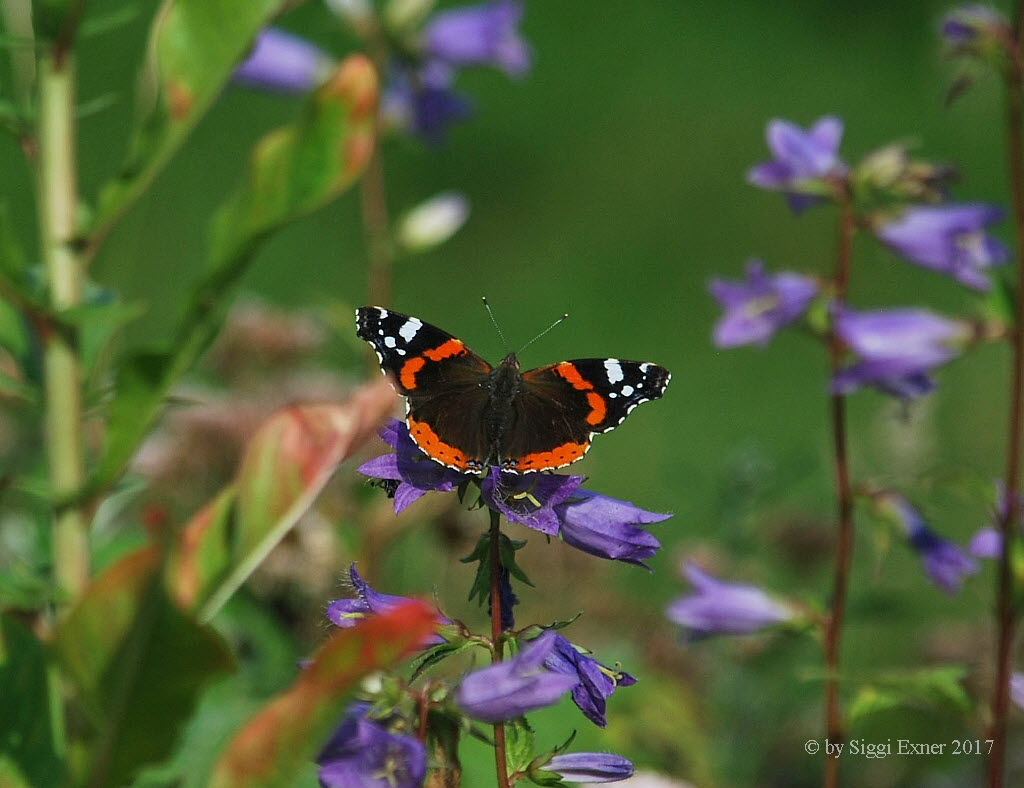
419	96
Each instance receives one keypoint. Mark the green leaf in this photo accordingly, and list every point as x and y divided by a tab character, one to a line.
519	744
294	170
277	743
298	168
283	469
939	686
28	755
138	664
194	46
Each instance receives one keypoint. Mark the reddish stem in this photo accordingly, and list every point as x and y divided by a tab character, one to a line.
844	497
500	759
1006	614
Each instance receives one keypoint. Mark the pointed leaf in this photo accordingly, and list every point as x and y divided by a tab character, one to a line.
138	664
281	740
194	46
298	168
283	469
27	752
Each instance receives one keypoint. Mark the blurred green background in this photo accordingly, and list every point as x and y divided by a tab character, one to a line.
609	183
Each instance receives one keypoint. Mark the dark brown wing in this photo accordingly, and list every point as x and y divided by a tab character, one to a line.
559	408
443	381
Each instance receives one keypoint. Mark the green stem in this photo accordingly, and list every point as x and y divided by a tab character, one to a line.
58	206
500	759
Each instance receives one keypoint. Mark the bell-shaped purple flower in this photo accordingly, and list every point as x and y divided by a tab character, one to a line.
607	527
349	612
422	101
481	35
529	498
590	767
896	348
718	608
801	160
944	562
759	306
986	543
950	239
283	62
506	690
362	752
415	473
596	682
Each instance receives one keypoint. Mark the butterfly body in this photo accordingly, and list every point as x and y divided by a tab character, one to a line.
467	414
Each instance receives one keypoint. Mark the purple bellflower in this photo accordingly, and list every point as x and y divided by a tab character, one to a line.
758	307
801	161
422	101
986	543
718	608
284	63
349	612
551	503
949	239
608	528
481	35
944	562
897	348
506	690
363	752
590	767
596	682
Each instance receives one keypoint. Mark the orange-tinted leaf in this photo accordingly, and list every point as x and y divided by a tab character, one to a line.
272	748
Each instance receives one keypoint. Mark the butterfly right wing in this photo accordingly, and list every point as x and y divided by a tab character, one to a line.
442	380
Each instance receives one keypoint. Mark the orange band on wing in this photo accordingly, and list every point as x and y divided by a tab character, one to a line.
556	458
452	347
436	448
598	409
407	375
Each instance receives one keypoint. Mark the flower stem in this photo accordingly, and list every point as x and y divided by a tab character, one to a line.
1006	613
58	206
844	498
373	196
500	759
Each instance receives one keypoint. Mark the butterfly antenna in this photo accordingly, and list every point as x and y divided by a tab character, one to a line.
542	333
497	328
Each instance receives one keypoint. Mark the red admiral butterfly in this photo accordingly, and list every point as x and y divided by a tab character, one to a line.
467	415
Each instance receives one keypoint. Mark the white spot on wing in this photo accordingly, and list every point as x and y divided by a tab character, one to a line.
390	341
614	370
627	390
409	329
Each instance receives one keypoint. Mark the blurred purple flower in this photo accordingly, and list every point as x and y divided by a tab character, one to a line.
591	767
529	498
349	612
509	689
421	101
283	62
607	527
481	35
718	608
596	682
1017	689
801	160
415	473
949	239
897	349
986	543
975	29
363	753
944	562
758	307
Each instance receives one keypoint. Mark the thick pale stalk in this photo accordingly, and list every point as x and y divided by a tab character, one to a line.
58	206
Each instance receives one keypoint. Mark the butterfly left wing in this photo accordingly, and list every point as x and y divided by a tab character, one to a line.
561	406
441	380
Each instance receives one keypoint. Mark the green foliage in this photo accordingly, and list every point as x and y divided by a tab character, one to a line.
931	687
